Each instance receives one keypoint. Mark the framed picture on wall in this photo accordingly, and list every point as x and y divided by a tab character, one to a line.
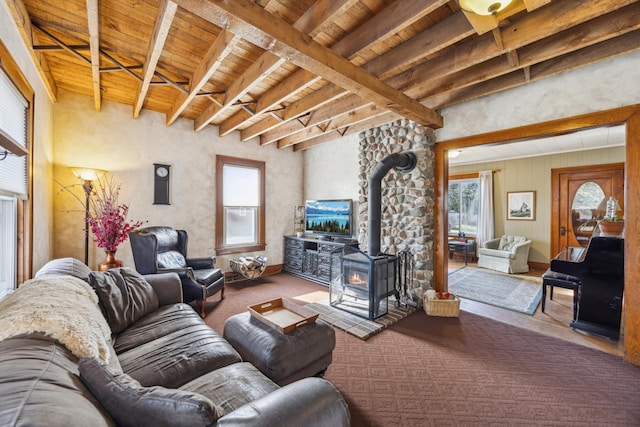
521	205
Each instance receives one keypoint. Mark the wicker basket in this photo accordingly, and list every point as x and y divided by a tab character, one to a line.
442	307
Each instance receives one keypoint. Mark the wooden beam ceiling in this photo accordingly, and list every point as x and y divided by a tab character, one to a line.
254	24
166	13
301	72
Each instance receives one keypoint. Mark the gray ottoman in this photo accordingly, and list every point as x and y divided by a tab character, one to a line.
284	358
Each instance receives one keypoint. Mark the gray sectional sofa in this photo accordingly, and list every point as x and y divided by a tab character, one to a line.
147	359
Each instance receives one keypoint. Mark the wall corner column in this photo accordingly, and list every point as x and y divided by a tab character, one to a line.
632	243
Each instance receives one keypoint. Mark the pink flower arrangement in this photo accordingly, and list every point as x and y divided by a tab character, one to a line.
107	217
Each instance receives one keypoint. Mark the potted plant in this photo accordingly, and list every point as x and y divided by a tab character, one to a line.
611	226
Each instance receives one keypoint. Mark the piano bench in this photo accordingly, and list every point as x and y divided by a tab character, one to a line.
561	280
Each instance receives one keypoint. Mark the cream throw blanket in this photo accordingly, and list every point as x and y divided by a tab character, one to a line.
62	307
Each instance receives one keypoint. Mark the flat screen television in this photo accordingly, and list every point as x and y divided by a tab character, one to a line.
330	217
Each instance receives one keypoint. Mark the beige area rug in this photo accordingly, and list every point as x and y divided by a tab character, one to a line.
354	325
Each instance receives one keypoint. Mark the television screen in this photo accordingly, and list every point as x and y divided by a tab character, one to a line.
328	216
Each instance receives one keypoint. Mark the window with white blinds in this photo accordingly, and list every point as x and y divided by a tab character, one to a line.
14	109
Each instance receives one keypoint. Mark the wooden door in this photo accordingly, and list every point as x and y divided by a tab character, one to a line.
579	197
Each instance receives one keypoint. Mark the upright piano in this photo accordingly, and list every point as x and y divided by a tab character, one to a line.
600	268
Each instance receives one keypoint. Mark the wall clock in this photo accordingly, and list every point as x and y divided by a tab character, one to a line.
161	177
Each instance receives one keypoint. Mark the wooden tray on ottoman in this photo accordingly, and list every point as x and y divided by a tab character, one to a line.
283	314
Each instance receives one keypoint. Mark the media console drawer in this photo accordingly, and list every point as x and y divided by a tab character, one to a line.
308	257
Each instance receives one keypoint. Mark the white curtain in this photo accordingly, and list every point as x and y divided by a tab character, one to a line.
485	212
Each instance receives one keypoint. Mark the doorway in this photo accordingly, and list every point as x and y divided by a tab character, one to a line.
629	116
579	197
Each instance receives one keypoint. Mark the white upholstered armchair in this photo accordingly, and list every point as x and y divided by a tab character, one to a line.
508	254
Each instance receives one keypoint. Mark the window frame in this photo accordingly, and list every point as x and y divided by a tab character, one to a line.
221	248
24	230
461	177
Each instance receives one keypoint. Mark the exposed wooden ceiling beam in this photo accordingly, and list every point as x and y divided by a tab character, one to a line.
619	46
353	118
269	32
314	17
398	14
299	81
418	47
349	130
433	39
515	36
21	17
475	51
346	105
587	34
317	99
534	4
555	17
166	13
212	60
322	13
94	48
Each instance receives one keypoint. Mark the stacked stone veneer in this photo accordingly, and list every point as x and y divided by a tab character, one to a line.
407	214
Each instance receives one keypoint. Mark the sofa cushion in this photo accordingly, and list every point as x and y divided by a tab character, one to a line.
208	275
124	296
179	357
159	323
496	253
65	266
232	386
40	386
131	404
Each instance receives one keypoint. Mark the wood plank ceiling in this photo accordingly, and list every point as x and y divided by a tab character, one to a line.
297	73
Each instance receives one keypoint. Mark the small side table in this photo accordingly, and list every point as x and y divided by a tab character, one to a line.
459	246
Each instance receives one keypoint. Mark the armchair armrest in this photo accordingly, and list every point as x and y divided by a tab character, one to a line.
168	287
522	246
522	249
202	263
492	244
308	402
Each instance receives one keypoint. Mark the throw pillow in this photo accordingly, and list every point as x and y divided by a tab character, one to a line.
125	296
65	267
131	404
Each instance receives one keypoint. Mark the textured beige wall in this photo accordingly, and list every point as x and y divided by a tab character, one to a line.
529	174
596	87
331	172
42	141
127	147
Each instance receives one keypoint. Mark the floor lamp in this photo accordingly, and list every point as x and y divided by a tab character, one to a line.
87	176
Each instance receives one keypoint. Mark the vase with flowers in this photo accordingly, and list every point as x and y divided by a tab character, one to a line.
108	220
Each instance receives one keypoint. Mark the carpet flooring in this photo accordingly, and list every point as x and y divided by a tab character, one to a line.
465	371
511	291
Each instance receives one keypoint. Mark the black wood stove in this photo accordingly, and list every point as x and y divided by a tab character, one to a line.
362	282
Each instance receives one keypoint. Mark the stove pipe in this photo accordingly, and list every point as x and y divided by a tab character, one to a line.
403	162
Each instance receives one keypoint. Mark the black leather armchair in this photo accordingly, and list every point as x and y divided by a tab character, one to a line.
164	249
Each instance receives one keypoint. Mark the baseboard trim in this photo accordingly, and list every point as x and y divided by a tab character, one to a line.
538	266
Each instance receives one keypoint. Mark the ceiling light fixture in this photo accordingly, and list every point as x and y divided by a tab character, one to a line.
483	7
454	153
